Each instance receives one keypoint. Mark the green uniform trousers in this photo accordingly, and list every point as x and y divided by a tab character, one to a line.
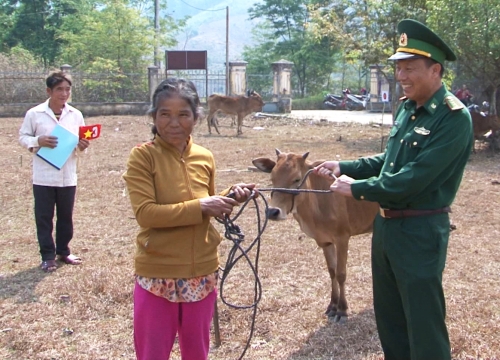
408	259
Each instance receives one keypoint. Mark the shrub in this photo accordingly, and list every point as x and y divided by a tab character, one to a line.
308	103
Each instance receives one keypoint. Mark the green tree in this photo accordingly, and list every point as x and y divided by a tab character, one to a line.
472	27
259	58
288	22
115	32
33	24
167	24
366	30
107	87
18	59
6	23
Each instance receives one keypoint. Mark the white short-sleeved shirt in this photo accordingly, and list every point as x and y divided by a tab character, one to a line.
41	120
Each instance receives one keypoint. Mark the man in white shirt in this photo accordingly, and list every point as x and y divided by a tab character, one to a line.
53	188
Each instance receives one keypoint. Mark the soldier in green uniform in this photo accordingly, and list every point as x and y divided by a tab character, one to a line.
415	181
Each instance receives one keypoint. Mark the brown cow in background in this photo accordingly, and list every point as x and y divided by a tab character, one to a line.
233	105
482	124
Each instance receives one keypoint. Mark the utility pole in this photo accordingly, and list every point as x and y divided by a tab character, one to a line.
157	32
227	50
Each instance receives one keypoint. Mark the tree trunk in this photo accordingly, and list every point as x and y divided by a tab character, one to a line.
493	102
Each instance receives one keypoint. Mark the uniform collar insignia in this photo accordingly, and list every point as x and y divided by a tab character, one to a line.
432	105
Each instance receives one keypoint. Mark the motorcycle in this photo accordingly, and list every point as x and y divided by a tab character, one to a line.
353	103
334	102
344	102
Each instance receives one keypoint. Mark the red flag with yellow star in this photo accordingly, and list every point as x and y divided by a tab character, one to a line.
90	132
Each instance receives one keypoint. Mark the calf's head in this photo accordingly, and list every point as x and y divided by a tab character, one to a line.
286	173
255	101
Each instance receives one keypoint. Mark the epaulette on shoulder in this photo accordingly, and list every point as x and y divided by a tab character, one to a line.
403	98
453	102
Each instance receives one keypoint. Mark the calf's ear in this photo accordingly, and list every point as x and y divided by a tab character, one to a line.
264	164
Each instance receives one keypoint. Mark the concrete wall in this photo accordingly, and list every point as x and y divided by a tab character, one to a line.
88	109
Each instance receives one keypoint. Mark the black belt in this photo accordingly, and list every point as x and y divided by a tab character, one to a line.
395	213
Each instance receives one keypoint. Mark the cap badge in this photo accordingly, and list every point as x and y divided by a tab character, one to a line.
403	40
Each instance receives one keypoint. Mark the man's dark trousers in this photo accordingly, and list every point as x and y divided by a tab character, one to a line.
46	199
408	259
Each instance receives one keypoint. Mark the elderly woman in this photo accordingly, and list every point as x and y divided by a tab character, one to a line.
171	183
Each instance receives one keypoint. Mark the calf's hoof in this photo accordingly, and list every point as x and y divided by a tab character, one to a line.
338	318
331	311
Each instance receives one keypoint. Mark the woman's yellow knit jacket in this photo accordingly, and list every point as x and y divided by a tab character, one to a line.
175	240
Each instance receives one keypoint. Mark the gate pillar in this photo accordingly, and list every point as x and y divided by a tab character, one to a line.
380	87
67	70
153	80
237	77
282	85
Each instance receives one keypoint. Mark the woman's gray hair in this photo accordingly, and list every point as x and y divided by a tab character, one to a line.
185	89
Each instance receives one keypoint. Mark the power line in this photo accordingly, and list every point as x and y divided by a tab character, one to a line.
194	7
54	10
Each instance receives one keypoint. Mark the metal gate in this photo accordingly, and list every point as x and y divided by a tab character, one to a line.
206	83
261	83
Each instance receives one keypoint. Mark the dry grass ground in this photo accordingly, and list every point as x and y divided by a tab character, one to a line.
85	312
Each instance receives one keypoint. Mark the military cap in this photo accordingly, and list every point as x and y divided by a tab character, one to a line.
417	40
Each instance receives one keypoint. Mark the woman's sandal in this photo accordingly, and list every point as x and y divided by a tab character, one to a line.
48	265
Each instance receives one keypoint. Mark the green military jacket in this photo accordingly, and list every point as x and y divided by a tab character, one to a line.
424	159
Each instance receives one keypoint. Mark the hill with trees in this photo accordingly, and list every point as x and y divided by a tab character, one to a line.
330	42
206	28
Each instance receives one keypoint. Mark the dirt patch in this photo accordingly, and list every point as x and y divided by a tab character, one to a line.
86	312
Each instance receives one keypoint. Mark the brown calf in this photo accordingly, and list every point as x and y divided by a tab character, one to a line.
329	218
232	105
482	124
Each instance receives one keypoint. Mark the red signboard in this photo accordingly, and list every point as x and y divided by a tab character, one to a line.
186	60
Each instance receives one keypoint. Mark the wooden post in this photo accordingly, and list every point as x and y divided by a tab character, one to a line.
218	341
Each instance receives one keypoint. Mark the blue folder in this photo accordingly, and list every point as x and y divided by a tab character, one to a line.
66	144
